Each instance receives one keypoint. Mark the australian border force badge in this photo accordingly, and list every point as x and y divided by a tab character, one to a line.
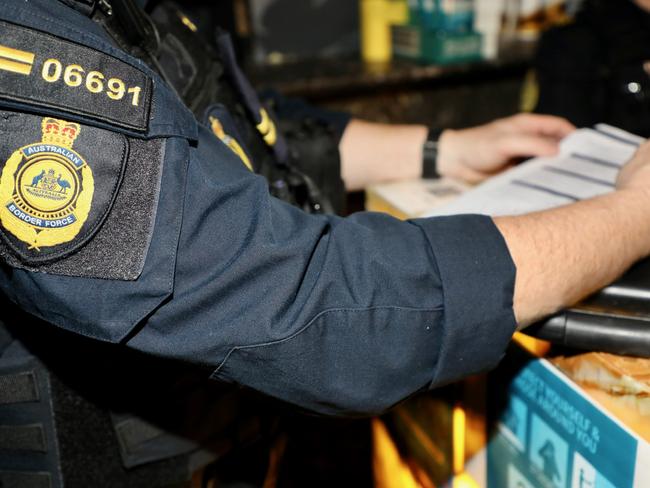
50	186
76	200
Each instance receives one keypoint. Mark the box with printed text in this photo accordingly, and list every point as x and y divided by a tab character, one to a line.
546	432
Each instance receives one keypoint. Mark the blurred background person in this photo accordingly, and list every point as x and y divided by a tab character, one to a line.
597	68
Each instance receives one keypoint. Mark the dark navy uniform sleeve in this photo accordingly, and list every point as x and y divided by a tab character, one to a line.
337	315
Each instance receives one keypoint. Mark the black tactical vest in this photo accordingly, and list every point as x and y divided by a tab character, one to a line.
299	159
93	422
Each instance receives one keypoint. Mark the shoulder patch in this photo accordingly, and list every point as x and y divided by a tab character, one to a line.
49	72
57	185
76	200
51	188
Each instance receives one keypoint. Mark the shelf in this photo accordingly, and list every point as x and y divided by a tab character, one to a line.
327	78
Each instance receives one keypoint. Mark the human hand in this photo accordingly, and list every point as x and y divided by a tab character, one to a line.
636	173
474	154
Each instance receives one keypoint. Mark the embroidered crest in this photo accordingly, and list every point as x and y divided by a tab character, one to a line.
47	188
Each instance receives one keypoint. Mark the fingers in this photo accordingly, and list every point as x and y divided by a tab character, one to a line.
487	149
547	125
633	173
641	156
471	176
643	150
515	145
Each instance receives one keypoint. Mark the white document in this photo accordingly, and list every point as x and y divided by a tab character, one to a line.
587	166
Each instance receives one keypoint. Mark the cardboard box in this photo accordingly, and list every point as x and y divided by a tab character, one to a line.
546	432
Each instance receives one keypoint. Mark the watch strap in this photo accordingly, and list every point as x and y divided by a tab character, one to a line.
430	154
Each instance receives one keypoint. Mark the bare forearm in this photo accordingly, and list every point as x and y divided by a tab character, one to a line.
374	153
564	254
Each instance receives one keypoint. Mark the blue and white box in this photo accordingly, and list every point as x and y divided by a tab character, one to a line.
547	433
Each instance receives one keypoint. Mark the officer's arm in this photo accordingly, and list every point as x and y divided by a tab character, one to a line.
337	315
566	253
373	152
185	255
168	244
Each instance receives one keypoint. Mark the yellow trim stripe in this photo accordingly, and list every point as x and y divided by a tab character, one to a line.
20	68
234	145
187	22
267	128
16	55
16	61
271	136
263	126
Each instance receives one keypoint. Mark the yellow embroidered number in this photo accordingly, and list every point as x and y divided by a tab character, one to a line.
73	76
94	82
116	89
52	69
135	91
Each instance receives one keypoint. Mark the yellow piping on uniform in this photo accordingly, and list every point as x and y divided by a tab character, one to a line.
187	22
231	142
267	128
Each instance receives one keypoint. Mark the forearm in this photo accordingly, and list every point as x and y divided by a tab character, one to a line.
373	153
564	254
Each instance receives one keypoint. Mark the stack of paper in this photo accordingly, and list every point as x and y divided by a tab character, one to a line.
587	166
412	198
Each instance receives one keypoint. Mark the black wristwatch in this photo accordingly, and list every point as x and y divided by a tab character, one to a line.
430	154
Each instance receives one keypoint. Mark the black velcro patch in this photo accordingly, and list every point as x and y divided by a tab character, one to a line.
23	438
22	479
76	200
46	71
18	388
